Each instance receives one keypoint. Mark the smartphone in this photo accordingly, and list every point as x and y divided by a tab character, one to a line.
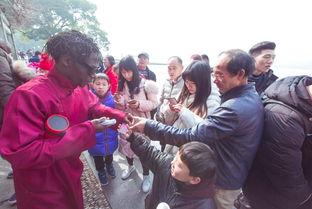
123	129
172	101
109	122
132	101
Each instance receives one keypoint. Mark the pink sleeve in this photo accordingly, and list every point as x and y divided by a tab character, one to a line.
22	140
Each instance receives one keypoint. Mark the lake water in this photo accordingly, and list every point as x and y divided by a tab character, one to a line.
162	74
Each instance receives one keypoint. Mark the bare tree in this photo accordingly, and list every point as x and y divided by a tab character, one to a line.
20	12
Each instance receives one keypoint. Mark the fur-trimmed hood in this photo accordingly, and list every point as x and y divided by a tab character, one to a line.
22	72
150	87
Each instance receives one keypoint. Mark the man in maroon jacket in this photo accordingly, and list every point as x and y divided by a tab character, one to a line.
47	170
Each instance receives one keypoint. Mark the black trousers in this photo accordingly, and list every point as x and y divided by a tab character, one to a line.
100	161
145	170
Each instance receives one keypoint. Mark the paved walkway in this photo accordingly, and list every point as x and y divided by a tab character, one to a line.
119	193
6	185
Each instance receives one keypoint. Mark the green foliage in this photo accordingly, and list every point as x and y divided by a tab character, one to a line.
53	16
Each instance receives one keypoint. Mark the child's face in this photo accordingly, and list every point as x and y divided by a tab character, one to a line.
179	170
101	86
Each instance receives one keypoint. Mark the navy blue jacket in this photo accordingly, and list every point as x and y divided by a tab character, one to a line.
106	141
233	131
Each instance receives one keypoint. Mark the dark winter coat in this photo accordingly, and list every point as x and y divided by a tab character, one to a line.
176	194
281	176
150	74
7	80
106	141
233	131
262	81
10	77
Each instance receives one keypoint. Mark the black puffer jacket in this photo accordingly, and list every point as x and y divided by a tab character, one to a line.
281	176
176	194
262	81
233	131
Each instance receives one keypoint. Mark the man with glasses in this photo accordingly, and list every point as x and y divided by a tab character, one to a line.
45	160
233	130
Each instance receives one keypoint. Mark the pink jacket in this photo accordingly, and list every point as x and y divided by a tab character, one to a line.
47	170
147	98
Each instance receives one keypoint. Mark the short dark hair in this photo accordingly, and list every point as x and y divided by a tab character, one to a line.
196	57
72	43
256	49
205	56
37	53
101	76
239	60
177	58
110	59
200	159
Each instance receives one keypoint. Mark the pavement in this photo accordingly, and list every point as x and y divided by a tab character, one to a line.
6	185
121	194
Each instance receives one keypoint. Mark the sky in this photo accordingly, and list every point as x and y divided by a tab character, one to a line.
165	28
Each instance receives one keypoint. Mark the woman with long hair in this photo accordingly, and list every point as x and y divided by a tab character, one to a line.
137	96
199	97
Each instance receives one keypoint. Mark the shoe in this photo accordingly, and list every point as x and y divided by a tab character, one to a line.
12	199
103	177
146	184
126	173
10	175
110	170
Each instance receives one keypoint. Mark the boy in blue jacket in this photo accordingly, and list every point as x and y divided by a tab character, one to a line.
106	141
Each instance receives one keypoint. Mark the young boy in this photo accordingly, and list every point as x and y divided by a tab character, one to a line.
183	181
107	141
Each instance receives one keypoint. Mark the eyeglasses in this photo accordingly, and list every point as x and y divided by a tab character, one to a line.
217	75
90	70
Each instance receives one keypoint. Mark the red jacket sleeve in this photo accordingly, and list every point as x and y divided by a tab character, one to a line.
22	140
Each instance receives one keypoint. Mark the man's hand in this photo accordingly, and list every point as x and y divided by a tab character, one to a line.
97	124
139	124
128	118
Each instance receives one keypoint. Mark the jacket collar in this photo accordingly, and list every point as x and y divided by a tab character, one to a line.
61	81
236	91
178	81
204	189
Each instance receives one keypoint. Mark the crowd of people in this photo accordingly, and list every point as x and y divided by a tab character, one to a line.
232	135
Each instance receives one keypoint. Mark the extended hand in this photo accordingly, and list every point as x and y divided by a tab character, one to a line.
97	124
128	118
139	124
